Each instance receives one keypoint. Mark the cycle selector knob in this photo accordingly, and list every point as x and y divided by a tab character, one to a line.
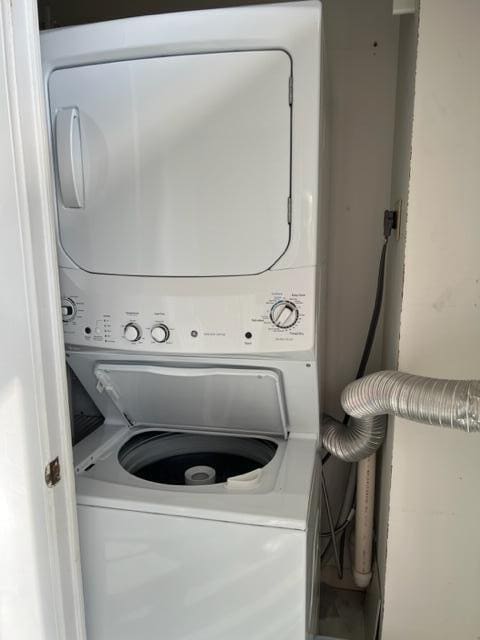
69	309
160	333
284	314
132	332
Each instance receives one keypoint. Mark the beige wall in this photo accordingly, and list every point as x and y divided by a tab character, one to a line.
396	254
362	81
432	579
362	43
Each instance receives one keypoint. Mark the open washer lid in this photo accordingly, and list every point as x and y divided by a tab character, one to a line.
241	401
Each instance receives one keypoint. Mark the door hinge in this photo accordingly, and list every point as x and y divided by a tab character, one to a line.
290	90
52	472
289	209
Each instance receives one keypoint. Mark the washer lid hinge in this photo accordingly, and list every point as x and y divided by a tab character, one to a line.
290	90
128	419
104	383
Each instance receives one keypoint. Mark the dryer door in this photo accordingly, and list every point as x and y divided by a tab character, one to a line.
174	166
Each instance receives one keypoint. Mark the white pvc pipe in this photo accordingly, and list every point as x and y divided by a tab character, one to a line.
362	565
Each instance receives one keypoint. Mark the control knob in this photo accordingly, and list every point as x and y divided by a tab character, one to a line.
284	314
69	309
160	333
132	332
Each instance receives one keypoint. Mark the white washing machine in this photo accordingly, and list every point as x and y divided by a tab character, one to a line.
198	511
186	157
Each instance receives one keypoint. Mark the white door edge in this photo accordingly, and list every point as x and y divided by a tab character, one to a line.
40	576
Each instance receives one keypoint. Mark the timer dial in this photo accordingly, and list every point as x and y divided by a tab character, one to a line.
69	309
284	314
160	333
132	332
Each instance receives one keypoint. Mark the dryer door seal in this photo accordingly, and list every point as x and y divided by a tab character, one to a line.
224	400
176	166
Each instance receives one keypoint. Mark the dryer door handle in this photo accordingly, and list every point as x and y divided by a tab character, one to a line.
69	158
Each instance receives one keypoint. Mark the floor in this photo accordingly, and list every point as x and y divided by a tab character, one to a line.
341	614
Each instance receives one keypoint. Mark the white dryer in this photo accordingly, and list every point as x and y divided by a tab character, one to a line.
186	151
186	157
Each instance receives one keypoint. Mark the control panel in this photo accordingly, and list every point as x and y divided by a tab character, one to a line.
269	313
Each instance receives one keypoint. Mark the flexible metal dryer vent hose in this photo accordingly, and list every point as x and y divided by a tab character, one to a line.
446	403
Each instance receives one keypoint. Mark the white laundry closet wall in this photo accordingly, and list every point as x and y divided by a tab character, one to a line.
362	43
430	520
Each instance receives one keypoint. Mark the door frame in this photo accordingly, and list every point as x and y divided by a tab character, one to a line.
40	590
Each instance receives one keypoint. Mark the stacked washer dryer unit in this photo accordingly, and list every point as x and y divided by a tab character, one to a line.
186	155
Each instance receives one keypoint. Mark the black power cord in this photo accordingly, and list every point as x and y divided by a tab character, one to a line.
390	222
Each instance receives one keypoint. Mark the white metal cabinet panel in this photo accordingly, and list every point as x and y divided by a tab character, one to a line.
227	580
185	163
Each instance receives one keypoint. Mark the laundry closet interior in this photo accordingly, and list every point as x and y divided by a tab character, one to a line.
221	172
